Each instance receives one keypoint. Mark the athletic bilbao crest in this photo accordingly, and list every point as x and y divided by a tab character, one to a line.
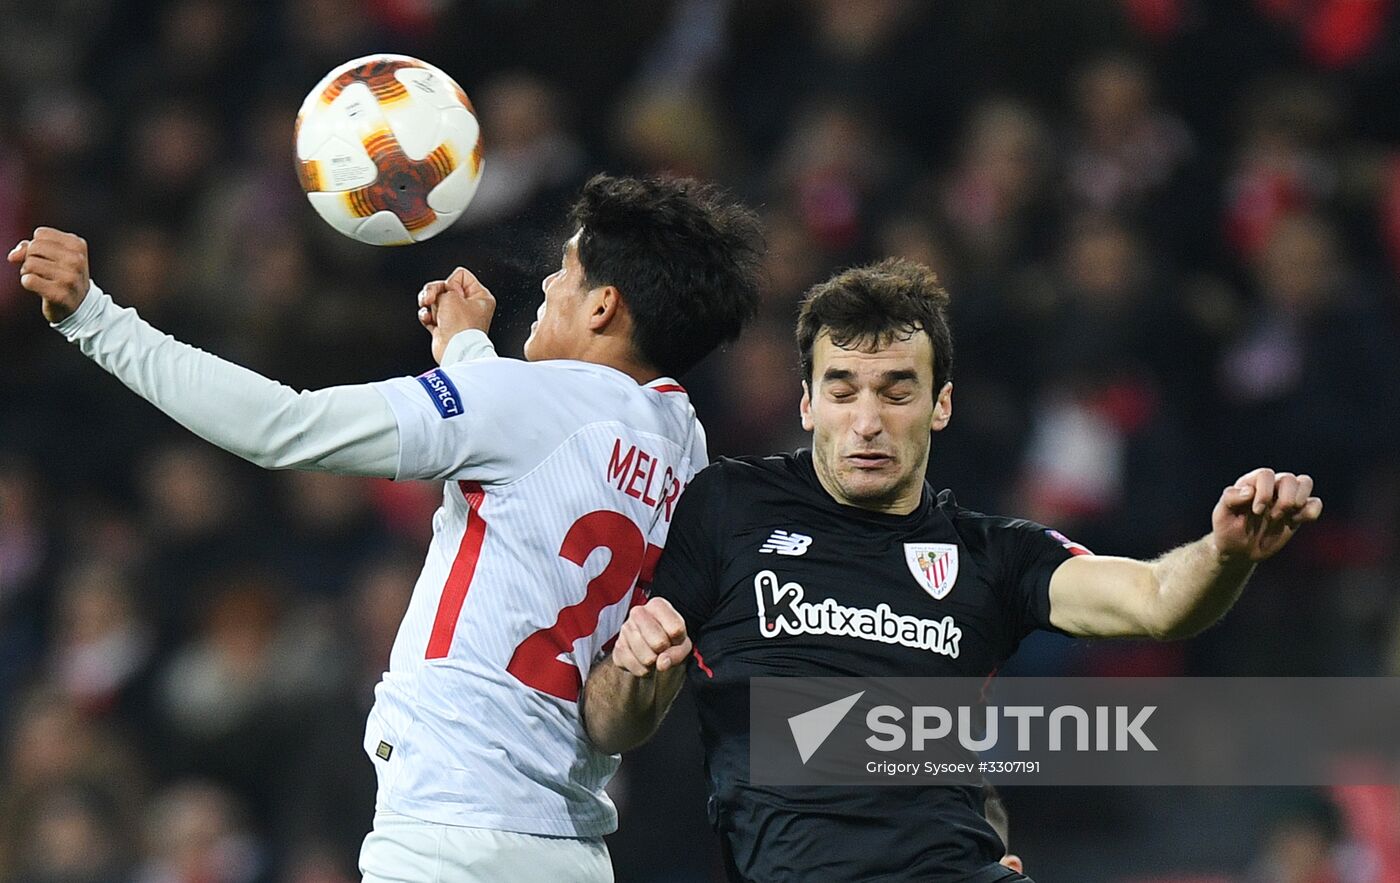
934	565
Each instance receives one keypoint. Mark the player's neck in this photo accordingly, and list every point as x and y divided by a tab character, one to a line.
605	351
640	373
612	344
903	503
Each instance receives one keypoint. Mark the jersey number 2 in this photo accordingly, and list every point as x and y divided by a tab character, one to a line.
536	661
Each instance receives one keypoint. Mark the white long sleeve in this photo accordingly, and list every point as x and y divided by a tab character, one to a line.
345	429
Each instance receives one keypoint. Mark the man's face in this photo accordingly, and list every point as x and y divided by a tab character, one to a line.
870	415
560	326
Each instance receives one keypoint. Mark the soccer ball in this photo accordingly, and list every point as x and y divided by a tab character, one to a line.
388	149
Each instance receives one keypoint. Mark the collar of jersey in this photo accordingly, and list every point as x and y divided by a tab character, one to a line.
663	380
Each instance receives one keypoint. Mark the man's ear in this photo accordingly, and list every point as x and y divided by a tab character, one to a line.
805	408
604	305
942	407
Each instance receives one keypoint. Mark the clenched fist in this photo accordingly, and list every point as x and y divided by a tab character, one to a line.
53	265
652	639
457	303
1260	512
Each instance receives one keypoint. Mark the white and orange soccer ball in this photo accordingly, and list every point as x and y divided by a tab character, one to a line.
388	149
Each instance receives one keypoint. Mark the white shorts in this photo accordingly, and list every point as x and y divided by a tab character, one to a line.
405	850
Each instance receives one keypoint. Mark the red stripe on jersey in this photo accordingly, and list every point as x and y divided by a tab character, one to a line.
987	685
700	661
667	387
459	579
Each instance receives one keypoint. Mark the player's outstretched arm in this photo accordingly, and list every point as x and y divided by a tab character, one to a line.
628	694
1188	589
348	429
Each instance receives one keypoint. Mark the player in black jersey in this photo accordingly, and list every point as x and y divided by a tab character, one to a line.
807	564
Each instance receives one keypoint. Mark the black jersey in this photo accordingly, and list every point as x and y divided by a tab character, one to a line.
965	587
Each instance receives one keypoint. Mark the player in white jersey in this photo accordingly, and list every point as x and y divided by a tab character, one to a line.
561	475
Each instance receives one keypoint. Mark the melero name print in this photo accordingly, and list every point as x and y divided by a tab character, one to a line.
782	611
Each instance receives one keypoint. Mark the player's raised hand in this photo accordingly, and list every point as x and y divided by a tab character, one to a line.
455	304
53	265
652	639
427	304
1260	512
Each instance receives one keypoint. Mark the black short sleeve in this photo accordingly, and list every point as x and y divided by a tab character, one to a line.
1026	555
1031	553
688	573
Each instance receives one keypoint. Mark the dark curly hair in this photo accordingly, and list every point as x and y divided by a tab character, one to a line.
870	306
684	256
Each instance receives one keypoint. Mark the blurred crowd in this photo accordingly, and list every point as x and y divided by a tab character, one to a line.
1171	230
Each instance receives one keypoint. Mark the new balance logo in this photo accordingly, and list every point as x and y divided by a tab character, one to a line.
785	543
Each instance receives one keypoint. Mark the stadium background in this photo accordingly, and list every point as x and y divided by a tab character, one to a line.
1172	233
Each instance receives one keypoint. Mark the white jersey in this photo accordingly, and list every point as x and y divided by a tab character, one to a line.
561	480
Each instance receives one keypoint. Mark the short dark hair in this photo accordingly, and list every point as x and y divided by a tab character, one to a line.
870	306
684	256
